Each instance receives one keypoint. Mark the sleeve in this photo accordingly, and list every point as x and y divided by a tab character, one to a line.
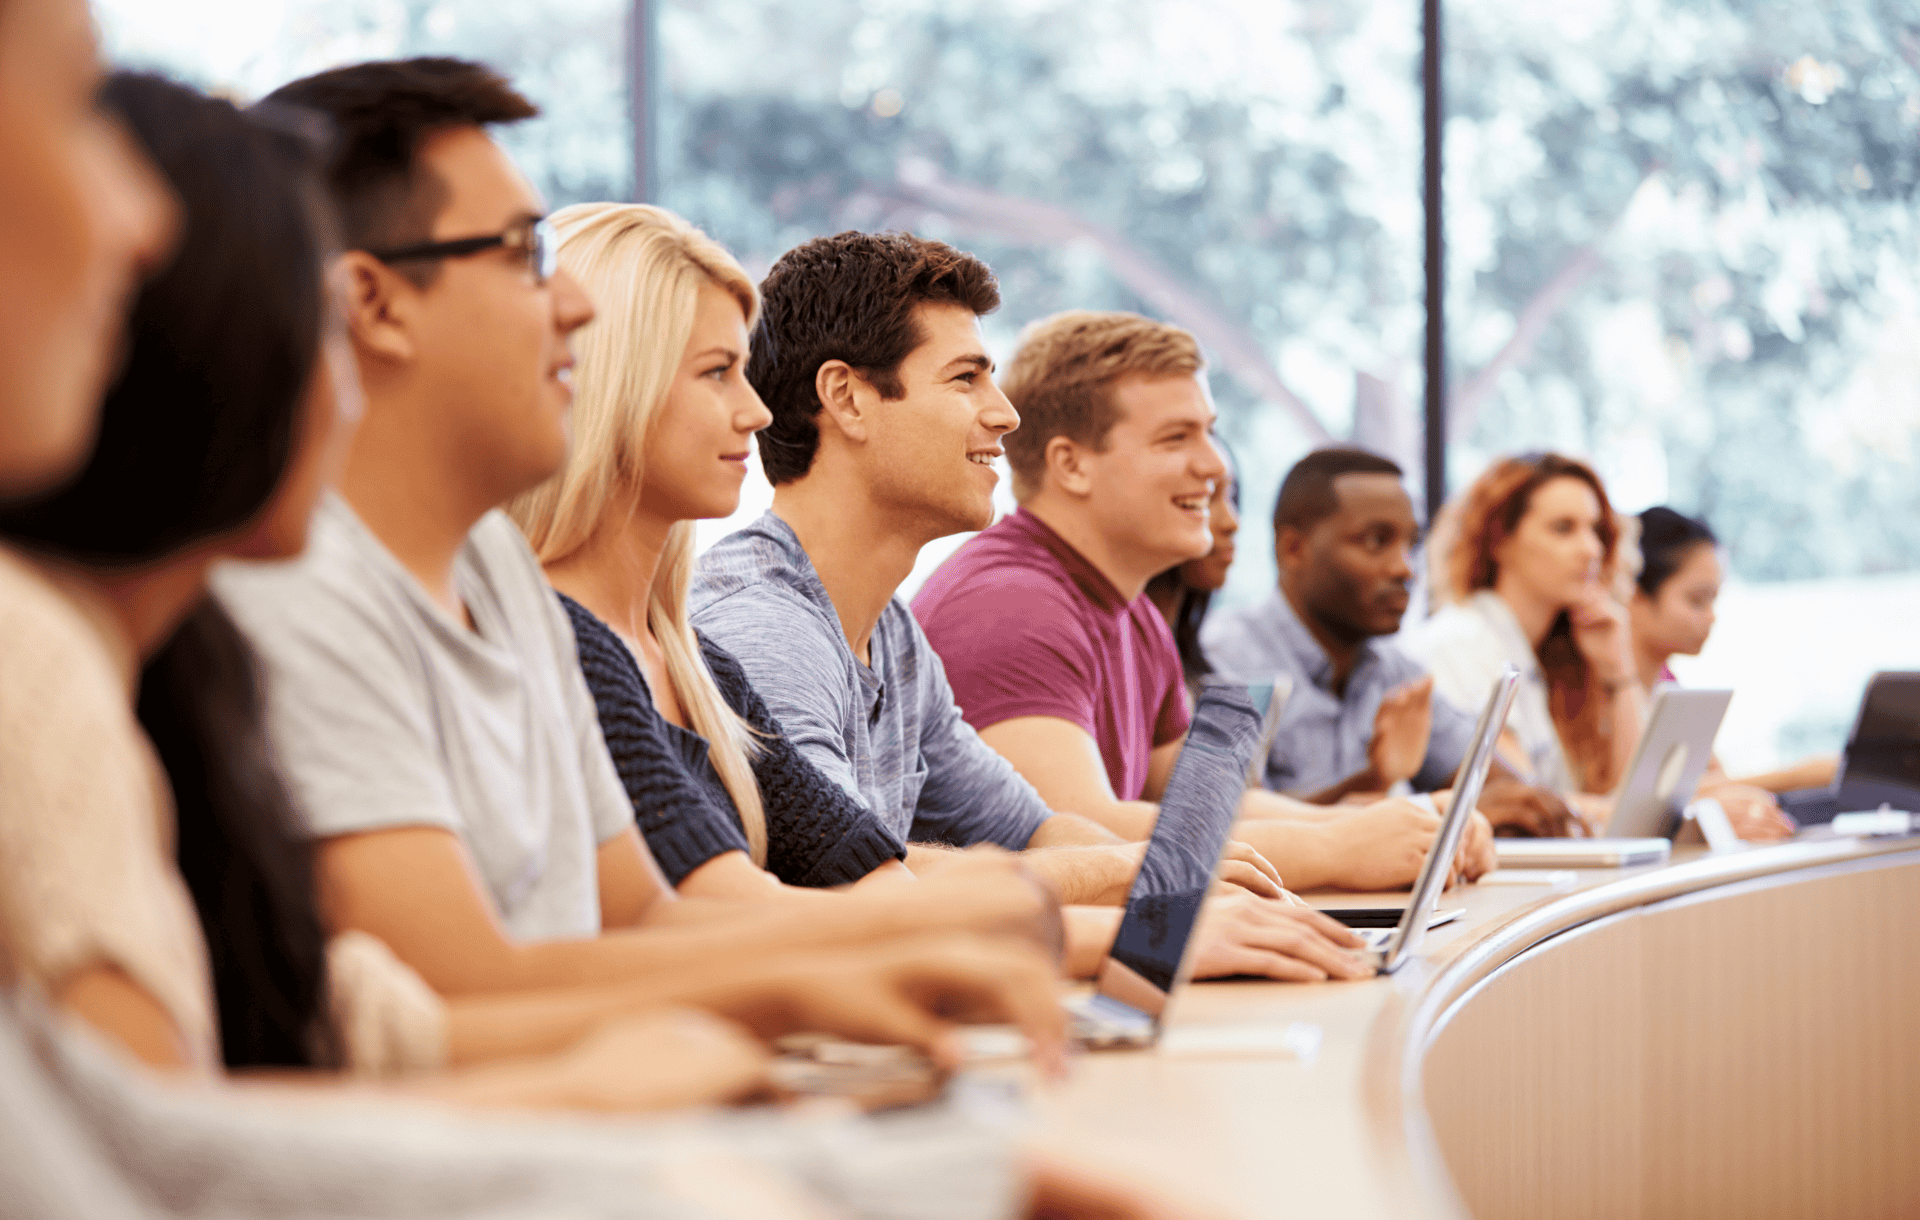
1464	664
347	706
817	835
794	664
389	1022
1013	646
85	874
971	794
680	822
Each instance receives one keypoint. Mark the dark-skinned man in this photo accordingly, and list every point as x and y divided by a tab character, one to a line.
1363	715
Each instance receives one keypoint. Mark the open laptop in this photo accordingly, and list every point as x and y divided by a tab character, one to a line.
1881	764
1233	725
1393	947
1672	754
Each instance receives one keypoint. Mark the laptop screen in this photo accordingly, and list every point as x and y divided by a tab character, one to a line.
1196	815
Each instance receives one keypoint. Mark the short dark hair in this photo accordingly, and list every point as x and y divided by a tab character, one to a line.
199	426
381	112
847	297
1307	496
1666	539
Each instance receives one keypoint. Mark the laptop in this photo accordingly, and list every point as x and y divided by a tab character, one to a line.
1233	725
1391	948
1672	754
1881	764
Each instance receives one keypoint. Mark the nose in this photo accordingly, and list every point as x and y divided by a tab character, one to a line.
1400	562
997	414
1226	522
572	307
753	415
141	209
1208	462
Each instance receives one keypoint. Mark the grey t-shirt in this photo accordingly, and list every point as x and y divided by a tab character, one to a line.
889	733
1323	736
384	711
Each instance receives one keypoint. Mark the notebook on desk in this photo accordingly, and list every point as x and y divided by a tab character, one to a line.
1881	763
1233	725
1394	947
1672	754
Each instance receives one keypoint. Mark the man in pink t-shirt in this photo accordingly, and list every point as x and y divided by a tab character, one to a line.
1027	626
1054	653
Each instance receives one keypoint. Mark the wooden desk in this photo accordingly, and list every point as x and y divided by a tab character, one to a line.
1724	1036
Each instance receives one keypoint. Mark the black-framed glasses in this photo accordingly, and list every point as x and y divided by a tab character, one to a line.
532	237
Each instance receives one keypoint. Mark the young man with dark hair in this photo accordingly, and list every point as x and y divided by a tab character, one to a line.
1363	714
886	421
425	699
1061	662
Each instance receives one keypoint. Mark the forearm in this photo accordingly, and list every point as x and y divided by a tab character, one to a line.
1071	830
1090	933
1257	804
1086	876
1130	821
1302	851
1366	780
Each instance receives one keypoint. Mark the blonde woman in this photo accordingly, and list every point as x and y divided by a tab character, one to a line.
664	420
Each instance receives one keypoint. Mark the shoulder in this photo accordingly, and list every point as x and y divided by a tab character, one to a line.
61	689
760	556
1000	571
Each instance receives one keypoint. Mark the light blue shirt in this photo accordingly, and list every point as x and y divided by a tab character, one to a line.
889	732
1323	735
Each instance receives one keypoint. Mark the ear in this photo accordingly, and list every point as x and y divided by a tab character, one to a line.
846	400
1066	465
1290	549
380	307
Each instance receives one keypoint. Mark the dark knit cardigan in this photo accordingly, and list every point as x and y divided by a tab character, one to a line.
817	835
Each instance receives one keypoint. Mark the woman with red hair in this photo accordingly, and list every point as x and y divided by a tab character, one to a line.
1521	564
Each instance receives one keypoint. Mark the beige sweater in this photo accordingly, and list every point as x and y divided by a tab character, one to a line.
86	843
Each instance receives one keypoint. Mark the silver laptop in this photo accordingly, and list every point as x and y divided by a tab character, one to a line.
1233	725
1393	947
1673	753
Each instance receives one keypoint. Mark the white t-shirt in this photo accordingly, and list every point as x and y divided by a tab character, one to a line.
384	711
1465	646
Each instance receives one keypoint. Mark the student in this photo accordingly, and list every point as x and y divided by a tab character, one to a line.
1363	715
663	395
1060	662
81	217
1521	565
1183	593
885	423
424	693
664	421
1672	612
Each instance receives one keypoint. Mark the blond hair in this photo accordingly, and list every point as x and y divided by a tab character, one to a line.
1061	380
644	267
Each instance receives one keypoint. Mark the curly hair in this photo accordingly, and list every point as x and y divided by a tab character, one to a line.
1470	530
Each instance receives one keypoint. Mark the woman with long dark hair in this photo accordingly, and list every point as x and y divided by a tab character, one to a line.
1521	563
1183	593
231	412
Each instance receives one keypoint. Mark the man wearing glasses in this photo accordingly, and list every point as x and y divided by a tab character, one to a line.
424	695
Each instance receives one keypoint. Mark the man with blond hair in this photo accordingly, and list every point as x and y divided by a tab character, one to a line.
1056	656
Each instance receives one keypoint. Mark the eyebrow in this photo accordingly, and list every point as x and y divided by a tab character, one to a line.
718	349
976	359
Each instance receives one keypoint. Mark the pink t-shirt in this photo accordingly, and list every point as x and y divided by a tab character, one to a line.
1026	626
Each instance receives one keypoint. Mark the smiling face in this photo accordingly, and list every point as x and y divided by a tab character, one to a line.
1351	571
1679	618
1209	572
81	215
493	363
930	452
1150	482
1556	551
696	454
